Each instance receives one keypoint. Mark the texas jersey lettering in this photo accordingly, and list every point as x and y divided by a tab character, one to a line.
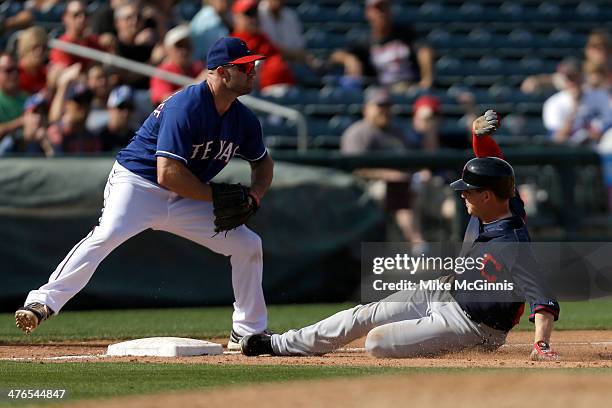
188	128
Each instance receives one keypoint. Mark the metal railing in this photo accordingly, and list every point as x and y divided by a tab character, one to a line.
566	160
144	69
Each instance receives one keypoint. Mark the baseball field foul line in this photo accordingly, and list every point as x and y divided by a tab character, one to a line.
342	350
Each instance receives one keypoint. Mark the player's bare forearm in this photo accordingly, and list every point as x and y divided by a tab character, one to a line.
544	323
542	351
262	172
173	175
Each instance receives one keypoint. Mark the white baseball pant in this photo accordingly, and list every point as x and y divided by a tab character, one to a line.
132	204
405	324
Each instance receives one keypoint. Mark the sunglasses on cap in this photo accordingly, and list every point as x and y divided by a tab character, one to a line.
246	68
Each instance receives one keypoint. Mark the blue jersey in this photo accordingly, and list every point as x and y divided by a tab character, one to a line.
486	241
188	128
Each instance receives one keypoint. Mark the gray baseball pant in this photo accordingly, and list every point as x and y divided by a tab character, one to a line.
405	324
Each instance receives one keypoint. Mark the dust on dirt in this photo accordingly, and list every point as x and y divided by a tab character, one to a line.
580	348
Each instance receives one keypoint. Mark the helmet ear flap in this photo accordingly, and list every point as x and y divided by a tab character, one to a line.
505	190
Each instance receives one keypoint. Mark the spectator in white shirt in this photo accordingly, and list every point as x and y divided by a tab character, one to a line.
578	114
284	28
281	24
212	22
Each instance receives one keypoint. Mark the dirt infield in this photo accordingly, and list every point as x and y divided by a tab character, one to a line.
456	389
578	349
443	390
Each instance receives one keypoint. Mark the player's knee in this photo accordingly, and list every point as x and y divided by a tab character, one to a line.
250	243
376	345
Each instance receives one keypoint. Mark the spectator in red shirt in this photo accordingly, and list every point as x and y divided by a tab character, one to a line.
178	60
75	26
31	48
275	74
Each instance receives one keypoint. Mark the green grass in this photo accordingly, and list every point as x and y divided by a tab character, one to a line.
593	315
185	322
105	380
216	322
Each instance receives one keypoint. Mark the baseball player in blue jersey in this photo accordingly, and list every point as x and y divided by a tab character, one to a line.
161	180
435	319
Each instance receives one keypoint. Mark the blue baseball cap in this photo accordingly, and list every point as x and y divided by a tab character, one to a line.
230	50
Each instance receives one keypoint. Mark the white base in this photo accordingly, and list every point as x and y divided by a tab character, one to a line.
164	347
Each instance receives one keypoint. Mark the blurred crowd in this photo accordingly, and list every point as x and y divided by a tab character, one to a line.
53	102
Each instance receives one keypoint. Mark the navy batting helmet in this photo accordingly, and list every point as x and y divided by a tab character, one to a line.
487	173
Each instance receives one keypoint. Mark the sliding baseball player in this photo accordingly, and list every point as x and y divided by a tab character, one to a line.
438	320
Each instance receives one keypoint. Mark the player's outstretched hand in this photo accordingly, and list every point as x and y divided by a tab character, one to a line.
542	352
487	124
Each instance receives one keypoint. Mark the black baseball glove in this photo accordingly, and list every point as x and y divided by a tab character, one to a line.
233	205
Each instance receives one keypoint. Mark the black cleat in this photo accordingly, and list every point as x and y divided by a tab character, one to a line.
29	317
233	344
256	345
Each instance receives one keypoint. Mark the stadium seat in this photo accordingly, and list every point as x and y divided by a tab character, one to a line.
548	10
350	11
587	9
511	10
439	37
471	9
339	123
431	8
316	13
479	35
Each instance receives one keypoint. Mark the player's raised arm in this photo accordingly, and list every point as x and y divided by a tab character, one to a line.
482	130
